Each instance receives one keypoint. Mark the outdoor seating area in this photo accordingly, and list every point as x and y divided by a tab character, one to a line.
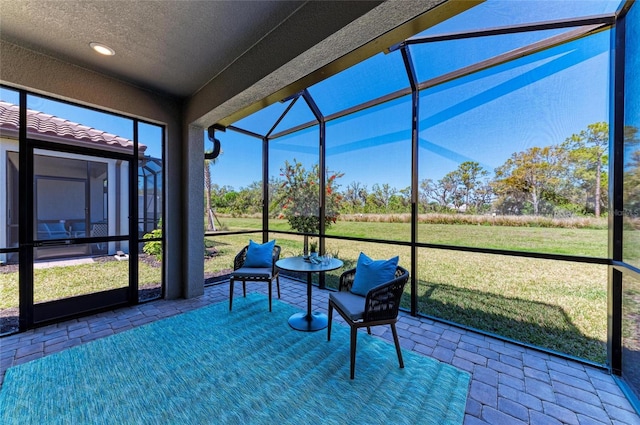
509	383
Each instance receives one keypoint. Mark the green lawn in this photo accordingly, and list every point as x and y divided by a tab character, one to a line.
554	304
61	282
563	241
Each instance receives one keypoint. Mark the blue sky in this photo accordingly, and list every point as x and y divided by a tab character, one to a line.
150	135
537	100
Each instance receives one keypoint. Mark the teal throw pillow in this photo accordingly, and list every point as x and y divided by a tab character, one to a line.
259	255
371	273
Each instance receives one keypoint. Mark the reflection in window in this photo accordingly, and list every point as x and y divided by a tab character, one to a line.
81	182
150	177
631	200
150	205
9	203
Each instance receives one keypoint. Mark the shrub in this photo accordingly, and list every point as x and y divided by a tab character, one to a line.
153	247
484	220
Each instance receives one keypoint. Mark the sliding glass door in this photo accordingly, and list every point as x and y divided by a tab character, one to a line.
80	217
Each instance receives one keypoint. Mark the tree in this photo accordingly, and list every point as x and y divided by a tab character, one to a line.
403	199
207	187
298	197
470	188
445	191
526	175
425	193
248	200
588	158
631	186
356	196
381	195
482	196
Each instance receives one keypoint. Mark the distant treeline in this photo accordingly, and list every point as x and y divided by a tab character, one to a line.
543	185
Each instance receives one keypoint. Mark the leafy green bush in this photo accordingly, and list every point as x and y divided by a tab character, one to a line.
153	247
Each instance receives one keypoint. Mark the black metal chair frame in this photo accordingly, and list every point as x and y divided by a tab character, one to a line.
380	308
238	262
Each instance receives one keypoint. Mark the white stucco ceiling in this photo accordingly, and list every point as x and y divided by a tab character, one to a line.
174	47
219	56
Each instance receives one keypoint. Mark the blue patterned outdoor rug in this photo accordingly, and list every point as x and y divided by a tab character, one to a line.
212	366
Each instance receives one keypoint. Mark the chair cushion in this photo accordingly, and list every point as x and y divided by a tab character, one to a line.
255	272
259	255
43	231
350	304
371	273
57	230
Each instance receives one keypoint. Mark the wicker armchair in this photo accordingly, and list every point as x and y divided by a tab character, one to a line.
379	307
254	274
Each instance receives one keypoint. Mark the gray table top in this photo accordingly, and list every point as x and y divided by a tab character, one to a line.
299	264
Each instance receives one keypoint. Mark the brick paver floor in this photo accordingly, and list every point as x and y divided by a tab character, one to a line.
510	384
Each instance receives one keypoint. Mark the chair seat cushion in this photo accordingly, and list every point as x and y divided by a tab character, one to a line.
350	304
252	272
371	273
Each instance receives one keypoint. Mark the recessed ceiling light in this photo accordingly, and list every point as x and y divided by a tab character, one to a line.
102	49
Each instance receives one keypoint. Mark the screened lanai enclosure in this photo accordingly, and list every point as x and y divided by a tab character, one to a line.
497	153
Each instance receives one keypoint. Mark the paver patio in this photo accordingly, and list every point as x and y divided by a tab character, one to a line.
510	384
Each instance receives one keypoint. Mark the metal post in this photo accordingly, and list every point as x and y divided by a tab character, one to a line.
415	103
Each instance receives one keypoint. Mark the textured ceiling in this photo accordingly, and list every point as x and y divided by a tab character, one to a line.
174	47
224	58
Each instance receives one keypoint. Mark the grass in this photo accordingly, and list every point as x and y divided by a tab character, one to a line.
554	304
62	282
558	305
588	241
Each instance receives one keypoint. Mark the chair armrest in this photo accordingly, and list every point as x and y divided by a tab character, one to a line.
275	256
240	258
383	301
346	280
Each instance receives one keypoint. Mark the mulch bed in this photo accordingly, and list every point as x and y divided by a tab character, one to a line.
8	320
8	268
